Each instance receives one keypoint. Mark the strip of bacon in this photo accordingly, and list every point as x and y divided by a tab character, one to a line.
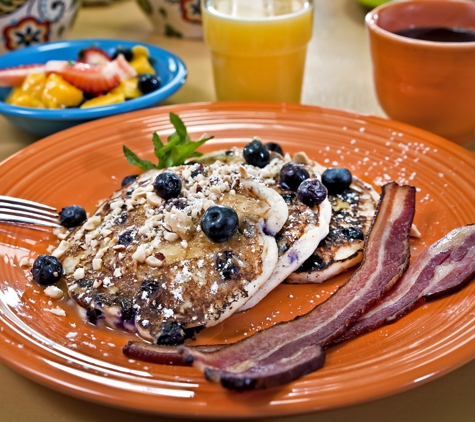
445	266
163	355
277	355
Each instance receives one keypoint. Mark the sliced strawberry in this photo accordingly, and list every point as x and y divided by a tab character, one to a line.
93	79
124	68
90	79
93	56
14	76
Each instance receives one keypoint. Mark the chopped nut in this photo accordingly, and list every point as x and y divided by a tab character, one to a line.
61	249
171	237
152	261
54	292
153	199
180	223
25	262
92	223
140	254
96	264
57	311
79	273
117	204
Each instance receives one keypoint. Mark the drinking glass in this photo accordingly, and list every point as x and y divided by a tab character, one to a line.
258	47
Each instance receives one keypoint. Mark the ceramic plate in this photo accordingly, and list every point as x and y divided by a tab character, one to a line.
85	163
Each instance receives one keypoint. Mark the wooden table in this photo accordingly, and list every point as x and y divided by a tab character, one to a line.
338	74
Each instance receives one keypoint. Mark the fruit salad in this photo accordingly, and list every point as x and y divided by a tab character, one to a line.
94	79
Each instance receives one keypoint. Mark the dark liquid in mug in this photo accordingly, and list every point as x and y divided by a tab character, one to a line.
439	34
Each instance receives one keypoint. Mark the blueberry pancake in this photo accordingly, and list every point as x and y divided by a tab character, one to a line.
159	262
305	227
352	214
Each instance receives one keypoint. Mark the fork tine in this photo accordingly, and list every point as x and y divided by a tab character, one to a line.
7	207
25	202
48	217
27	220
17	210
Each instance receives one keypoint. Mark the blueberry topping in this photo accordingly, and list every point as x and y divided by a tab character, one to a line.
127	180
72	216
126	238
219	223
148	83
149	286
93	315
352	233
125	51
167	185
172	334
292	175
313	263
274	147
312	192
199	170
256	154
128	311
122	218
47	270
227	264
336	180
289	198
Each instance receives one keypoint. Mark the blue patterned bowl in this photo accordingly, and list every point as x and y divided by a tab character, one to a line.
181	19
29	22
43	122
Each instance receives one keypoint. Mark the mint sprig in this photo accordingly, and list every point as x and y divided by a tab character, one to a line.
175	152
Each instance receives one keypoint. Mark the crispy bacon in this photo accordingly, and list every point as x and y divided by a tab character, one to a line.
445	266
163	355
277	355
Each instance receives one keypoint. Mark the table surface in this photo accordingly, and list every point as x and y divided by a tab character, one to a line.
337	75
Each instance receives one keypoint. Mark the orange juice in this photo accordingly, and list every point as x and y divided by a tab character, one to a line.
258	47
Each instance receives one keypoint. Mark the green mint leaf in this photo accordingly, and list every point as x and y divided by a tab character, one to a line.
175	152
157	142
133	159
179	126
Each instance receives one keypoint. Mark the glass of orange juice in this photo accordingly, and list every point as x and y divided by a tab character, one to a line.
258	47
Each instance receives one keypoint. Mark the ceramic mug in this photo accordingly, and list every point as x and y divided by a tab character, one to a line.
174	18
29	22
427	84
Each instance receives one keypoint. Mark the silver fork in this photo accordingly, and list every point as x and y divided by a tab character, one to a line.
16	210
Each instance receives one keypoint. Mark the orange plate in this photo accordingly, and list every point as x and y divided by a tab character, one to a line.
84	164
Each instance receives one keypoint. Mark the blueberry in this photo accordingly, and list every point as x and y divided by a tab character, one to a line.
256	154
336	180
148	83
312	192
167	185
227	265
172	334
72	216
93	315
275	147
127	180
219	223
125	51
126	238
47	270
292	175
